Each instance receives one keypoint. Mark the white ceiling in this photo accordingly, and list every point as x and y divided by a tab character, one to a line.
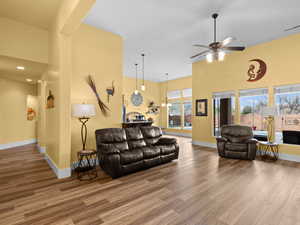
166	29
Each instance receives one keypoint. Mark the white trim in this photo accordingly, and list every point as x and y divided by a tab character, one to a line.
17	144
42	149
60	173
205	144
294	158
178	134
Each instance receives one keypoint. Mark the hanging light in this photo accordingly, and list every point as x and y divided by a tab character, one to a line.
209	57
143	87
164	104
136	80
221	55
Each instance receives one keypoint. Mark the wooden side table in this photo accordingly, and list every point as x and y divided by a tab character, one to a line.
269	150
86	167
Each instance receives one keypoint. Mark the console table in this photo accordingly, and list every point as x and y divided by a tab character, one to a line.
137	124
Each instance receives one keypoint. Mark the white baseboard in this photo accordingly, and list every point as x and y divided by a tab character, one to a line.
42	149
205	144
60	173
178	134
17	144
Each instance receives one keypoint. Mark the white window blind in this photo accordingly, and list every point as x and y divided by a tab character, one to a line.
253	92
187	92
174	94
225	94
287	89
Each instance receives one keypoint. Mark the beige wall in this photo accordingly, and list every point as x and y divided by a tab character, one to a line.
282	58
23	41
152	93
100	54
58	80
13	118
178	84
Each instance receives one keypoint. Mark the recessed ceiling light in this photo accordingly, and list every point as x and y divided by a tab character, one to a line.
28	80
20	68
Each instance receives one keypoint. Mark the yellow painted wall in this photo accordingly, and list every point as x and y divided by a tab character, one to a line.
178	84
13	118
152	93
58	80
100	54
283	67
23	41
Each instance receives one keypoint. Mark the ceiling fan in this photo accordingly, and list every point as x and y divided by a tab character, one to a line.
215	50
292	28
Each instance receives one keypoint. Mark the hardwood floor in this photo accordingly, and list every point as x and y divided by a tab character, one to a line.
198	189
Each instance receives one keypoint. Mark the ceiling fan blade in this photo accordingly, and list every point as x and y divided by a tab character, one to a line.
201	53
292	28
226	41
201	46
234	48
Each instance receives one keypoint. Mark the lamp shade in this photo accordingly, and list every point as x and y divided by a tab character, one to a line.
269	111
83	110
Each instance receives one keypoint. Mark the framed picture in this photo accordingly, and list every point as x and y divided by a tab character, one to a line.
201	107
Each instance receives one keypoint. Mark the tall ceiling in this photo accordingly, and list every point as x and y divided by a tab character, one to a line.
166	29
38	13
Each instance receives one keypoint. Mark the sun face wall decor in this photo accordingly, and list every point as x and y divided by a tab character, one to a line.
256	73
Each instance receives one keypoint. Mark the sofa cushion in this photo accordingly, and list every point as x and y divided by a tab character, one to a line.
150	152
112	136
167	141
134	137
238	147
131	156
167	149
151	134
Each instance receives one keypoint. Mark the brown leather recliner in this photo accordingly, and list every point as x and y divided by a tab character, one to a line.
237	142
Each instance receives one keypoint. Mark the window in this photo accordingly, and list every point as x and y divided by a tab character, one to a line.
187	112
287	101
223	109
174	111
251	105
180	109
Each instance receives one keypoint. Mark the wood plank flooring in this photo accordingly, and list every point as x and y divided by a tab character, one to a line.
198	189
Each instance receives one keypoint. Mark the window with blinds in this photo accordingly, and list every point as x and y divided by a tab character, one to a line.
252	101
287	120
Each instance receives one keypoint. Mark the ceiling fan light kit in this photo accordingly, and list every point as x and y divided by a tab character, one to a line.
216	49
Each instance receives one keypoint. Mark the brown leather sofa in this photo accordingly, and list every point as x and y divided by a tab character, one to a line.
123	151
237	142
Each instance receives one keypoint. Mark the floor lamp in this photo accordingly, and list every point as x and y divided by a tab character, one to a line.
269	113
83	112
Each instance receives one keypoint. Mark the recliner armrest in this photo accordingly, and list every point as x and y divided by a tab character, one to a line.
251	141
166	141
108	149
221	139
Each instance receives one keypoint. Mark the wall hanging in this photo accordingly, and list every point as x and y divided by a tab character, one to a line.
104	109
256	73
50	100
110	91
201	107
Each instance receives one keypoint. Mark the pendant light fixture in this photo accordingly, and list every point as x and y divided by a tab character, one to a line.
143	87
166	104
136	79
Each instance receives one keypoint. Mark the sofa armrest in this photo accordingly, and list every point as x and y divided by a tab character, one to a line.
251	141
108	149
166	141
221	139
